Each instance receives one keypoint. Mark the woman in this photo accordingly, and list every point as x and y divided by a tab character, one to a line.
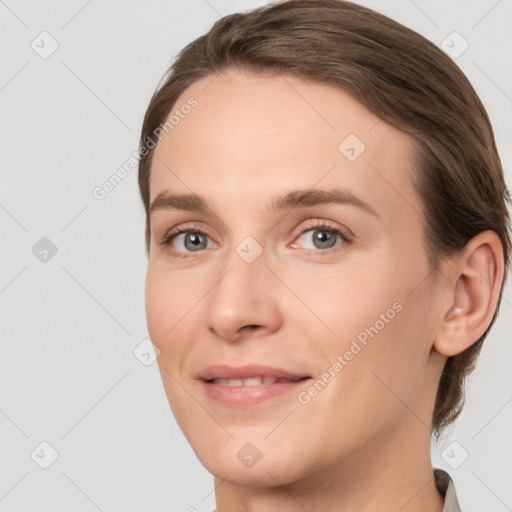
327	233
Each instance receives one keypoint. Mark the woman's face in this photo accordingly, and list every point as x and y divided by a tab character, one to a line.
300	258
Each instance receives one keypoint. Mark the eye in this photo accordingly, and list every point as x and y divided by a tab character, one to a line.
180	242
322	237
319	237
191	241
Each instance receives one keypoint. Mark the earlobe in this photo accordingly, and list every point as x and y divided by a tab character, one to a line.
477	278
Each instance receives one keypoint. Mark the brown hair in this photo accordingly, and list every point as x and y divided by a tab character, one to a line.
401	77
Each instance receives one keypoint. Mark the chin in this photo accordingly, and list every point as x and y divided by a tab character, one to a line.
257	463
262	474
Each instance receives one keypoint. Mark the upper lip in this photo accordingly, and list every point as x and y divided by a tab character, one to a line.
223	371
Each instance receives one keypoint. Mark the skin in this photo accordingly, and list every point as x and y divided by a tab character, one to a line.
363	442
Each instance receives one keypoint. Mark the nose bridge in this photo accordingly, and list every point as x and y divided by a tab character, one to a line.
240	297
243	274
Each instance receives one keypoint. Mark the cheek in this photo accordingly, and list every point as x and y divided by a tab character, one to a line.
159	305
345	301
389	369
170	296
169	304
375	324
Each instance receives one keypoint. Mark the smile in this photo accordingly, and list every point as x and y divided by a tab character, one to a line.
252	381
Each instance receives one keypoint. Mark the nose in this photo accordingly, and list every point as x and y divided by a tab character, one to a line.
243	303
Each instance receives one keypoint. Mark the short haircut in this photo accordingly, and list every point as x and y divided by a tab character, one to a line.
401	77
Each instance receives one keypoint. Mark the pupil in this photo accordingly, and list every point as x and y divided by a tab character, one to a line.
325	238
195	240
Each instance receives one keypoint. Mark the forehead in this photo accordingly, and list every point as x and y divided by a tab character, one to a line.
270	134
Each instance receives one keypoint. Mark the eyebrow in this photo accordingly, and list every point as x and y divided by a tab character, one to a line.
291	200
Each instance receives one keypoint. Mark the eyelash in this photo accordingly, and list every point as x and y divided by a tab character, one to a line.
318	225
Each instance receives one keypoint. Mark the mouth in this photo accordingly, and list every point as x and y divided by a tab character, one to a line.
249	385
263	380
248	372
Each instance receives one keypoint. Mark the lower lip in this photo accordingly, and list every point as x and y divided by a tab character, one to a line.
246	396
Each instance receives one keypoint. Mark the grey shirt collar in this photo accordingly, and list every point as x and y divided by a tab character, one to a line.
446	488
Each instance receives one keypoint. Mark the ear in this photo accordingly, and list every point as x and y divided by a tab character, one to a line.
472	295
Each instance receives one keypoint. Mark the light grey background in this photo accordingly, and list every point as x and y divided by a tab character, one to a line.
70	325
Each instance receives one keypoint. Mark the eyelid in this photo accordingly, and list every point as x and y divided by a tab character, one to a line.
183	228
346	235
326	225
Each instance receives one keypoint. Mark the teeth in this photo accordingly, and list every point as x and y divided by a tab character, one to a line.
251	381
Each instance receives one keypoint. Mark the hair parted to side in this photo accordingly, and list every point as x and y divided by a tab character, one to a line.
398	75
